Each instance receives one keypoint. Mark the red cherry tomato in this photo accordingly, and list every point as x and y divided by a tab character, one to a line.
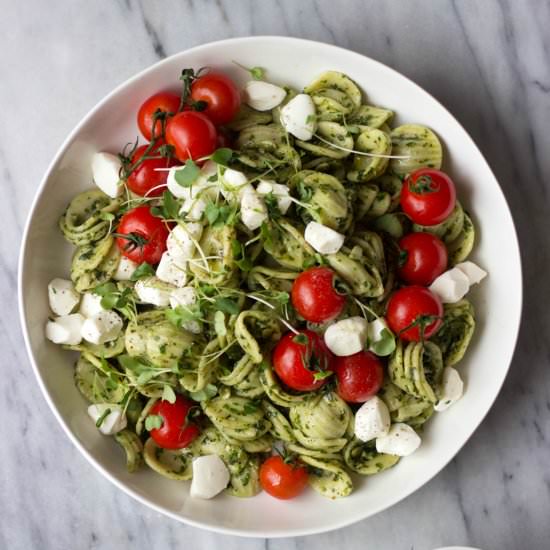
282	480
146	179
144	237
163	101
220	94
192	134
414	304
428	196
177	431
297	358
359	376
424	257
314	296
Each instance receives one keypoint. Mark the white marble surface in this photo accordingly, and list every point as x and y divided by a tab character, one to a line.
487	61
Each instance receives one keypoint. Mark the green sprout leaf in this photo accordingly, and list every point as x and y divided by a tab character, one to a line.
181	315
222	156
168	394
227	306
273	210
187	175
153	422
219	215
243	262
206	393
257	73
168	209
142	270
212	212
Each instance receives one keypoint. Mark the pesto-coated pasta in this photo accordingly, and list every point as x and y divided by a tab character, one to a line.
416	368
201	322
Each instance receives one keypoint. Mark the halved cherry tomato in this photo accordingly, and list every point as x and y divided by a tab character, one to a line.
359	376
220	94
177	430
146	179
163	101
301	360
414	312
192	134
141	236
282	480
315	297
428	196
423	258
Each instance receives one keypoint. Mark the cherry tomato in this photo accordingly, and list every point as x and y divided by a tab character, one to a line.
144	236
220	94
282	480
146	179
177	431
414	305
424	257
192	134
359	376
315	297
163	101
428	196
297	358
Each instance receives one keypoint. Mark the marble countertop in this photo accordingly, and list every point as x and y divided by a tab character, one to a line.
488	62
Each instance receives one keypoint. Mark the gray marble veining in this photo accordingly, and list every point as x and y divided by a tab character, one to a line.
487	61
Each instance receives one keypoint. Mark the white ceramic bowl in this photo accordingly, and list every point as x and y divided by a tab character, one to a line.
111	124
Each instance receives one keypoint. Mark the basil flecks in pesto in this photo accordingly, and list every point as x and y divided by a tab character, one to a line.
202	321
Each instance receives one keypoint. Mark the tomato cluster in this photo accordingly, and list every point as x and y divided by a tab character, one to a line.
303	362
414	312
172	126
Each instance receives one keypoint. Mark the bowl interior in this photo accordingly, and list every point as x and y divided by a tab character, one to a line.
111	124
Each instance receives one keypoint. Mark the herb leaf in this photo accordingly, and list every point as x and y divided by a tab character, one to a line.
212	212
219	215
187	175
206	393
227	306
273	210
257	73
168	394
242	261
181	315
153	422
113	298
222	156
168	209
265	233
142	270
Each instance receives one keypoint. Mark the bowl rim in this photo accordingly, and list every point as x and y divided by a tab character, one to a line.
24	324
